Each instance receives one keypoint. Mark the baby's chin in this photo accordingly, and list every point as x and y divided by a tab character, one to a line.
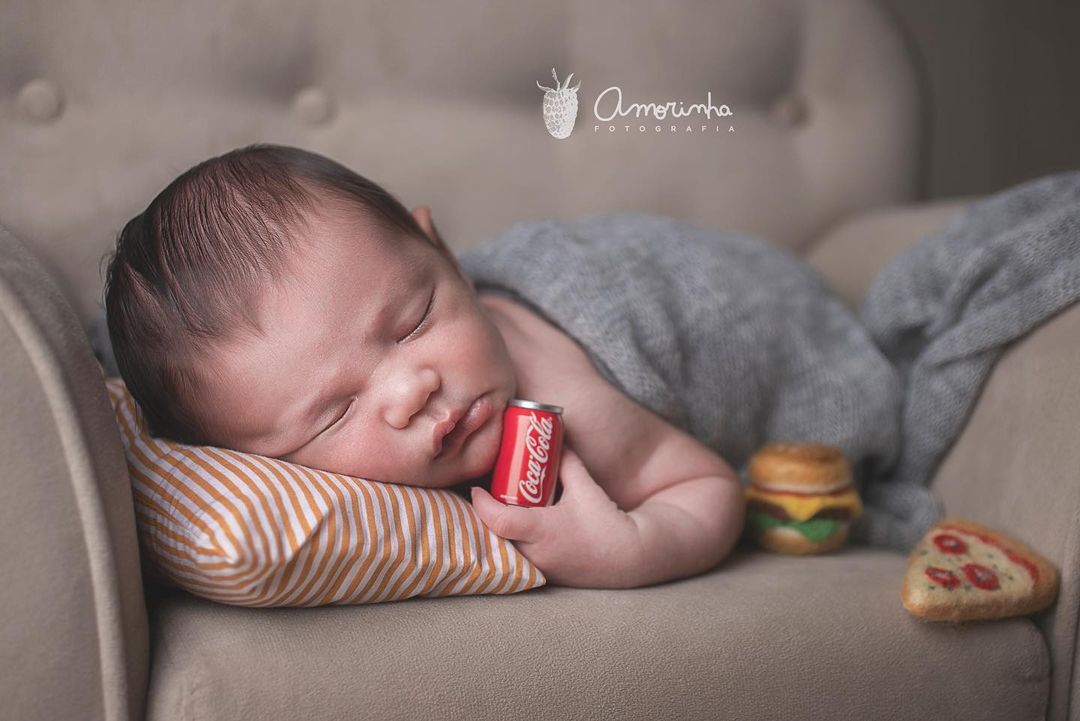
475	464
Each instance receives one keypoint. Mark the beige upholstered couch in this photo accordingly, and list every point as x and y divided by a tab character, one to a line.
102	103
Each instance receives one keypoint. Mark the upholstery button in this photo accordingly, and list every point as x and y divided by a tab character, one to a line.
789	110
313	105
39	101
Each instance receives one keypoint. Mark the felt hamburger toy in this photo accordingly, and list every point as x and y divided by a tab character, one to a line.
800	499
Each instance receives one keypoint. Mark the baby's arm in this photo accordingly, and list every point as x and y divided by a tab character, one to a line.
586	540
687	528
683	502
683	527
693	509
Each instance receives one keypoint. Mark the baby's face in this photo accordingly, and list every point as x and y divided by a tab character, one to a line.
355	371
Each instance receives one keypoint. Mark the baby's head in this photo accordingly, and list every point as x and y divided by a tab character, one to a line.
272	301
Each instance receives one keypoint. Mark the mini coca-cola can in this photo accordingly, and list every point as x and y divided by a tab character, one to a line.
531	448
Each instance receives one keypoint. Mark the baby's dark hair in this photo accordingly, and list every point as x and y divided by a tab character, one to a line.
187	270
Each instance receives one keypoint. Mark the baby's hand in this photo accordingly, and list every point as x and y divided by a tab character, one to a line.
584	540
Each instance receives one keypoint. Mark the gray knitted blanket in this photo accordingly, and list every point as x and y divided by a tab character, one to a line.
945	310
740	343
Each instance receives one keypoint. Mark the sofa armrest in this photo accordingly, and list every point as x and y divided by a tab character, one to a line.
851	254
1014	466
74	641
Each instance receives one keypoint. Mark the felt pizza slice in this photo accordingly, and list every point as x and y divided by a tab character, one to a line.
963	571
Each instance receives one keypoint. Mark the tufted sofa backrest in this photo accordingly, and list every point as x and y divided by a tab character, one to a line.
102	102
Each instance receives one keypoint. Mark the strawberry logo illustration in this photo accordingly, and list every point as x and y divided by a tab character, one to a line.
560	106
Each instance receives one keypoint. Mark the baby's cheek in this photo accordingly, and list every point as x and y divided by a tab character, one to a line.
469	345
361	454
493	347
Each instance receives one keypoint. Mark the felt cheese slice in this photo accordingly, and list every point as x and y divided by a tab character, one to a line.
803	506
963	571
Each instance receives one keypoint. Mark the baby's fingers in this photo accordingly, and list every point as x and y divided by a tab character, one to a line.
578	484
512	522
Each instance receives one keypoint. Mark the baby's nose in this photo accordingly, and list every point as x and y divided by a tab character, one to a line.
411	397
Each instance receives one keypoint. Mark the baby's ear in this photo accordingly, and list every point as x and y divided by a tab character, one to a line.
422	214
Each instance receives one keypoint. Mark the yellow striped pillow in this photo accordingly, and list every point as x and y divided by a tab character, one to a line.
248	530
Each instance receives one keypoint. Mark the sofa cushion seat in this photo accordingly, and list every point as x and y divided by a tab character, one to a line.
762	636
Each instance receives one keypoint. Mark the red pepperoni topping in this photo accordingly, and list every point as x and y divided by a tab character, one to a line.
943	576
981	576
949	543
1028	566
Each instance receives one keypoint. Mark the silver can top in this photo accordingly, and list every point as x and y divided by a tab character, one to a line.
536	406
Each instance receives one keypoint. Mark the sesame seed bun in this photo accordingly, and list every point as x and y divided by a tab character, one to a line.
800	467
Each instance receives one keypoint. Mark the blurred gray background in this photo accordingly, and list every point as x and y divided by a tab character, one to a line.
1001	83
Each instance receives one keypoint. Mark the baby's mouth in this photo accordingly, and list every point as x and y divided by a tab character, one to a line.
475	417
445	441
451	439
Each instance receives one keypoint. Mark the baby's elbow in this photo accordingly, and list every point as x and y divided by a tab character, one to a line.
727	517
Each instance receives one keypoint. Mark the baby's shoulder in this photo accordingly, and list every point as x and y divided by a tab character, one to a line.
540	350
609	430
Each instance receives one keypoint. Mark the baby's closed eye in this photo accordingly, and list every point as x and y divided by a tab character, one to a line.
423	320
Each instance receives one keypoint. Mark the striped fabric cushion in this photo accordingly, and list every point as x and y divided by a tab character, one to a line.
248	530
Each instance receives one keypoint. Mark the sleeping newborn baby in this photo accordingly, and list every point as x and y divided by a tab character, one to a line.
272	301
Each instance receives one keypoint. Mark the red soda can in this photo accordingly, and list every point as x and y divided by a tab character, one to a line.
531	448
